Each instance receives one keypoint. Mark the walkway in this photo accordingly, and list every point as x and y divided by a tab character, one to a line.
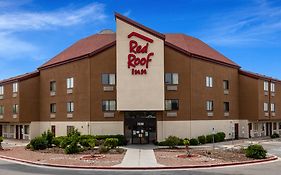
139	156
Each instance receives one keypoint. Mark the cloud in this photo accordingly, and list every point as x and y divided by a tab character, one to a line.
127	13
249	25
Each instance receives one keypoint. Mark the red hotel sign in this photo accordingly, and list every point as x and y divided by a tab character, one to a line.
134	59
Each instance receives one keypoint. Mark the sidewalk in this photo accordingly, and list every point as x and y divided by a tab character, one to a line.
14	142
139	156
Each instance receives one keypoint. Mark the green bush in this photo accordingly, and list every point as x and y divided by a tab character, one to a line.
256	152
202	139
73	148
121	138
194	142
65	142
103	149
58	140
48	136
172	141
1	139
209	138
275	135
186	142
111	143
38	143
88	143
219	137
74	133
28	146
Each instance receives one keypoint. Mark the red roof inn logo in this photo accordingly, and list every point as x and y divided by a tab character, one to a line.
139	64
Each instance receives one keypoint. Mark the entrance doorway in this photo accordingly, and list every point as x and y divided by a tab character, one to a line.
19	132
1	131
140	127
268	129
236	131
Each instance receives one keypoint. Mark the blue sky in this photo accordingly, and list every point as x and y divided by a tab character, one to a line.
246	31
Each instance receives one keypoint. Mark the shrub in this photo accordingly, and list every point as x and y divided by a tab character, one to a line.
172	141
209	138
74	133
275	135
111	143
1	139
57	140
103	149
256	152
65	142
121	138
73	148
89	143
186	142
48	136
194	142
202	139
219	137
38	143
28	146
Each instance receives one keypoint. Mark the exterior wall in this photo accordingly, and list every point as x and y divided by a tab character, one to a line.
276	99
189	129
200	93
8	101
80	71
139	92
249	98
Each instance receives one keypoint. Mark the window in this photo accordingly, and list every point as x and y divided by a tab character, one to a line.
108	79
53	130
279	125
108	105
172	105
210	105
69	129
209	81
272	87
26	129
70	107
1	110
225	84
53	108
15	109
53	87
226	106
1	90
15	87
171	78
272	107
265	107
274	126
70	83
265	86
12	129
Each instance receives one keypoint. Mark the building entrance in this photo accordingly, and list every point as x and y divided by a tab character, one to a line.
140	127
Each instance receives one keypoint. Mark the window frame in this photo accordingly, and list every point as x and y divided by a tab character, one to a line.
272	107
15	87
170	108
106	105
53	88
209	81
15	109
272	87
266	86
265	107
226	108
173	78
226	83
1	90
2	109
210	105
53	108
70	107
110	79
70	83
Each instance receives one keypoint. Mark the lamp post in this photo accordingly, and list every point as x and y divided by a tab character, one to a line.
213	132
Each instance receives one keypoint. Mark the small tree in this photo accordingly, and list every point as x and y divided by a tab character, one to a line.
186	143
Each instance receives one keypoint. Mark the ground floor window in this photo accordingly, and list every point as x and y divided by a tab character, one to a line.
69	129
279	125
53	130
26	129
256	126
12	128
274	126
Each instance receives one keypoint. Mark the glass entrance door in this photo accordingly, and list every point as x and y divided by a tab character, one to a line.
140	127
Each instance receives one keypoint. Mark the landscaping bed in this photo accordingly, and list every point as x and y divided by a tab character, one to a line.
177	156
57	156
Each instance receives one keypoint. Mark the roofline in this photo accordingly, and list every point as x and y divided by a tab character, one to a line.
258	76
79	57
200	56
24	77
140	26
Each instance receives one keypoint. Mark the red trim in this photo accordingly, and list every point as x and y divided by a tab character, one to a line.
258	76
140	36
140	26
20	78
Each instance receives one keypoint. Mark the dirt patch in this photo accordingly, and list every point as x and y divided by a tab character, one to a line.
57	156
176	157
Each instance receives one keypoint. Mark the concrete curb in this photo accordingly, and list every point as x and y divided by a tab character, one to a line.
271	158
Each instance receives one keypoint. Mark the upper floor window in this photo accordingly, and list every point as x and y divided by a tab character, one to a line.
265	86
226	106
108	79
171	78
1	90
53	108
272	87
53	87
108	105
15	109
210	105
70	107
265	107
225	84
209	81
70	83
15	87
272	107
1	110
171	105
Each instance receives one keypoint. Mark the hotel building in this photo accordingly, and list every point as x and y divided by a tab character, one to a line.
142	84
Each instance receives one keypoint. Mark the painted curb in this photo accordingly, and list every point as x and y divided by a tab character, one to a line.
272	158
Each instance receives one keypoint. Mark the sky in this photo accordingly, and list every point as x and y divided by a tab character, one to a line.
246	31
